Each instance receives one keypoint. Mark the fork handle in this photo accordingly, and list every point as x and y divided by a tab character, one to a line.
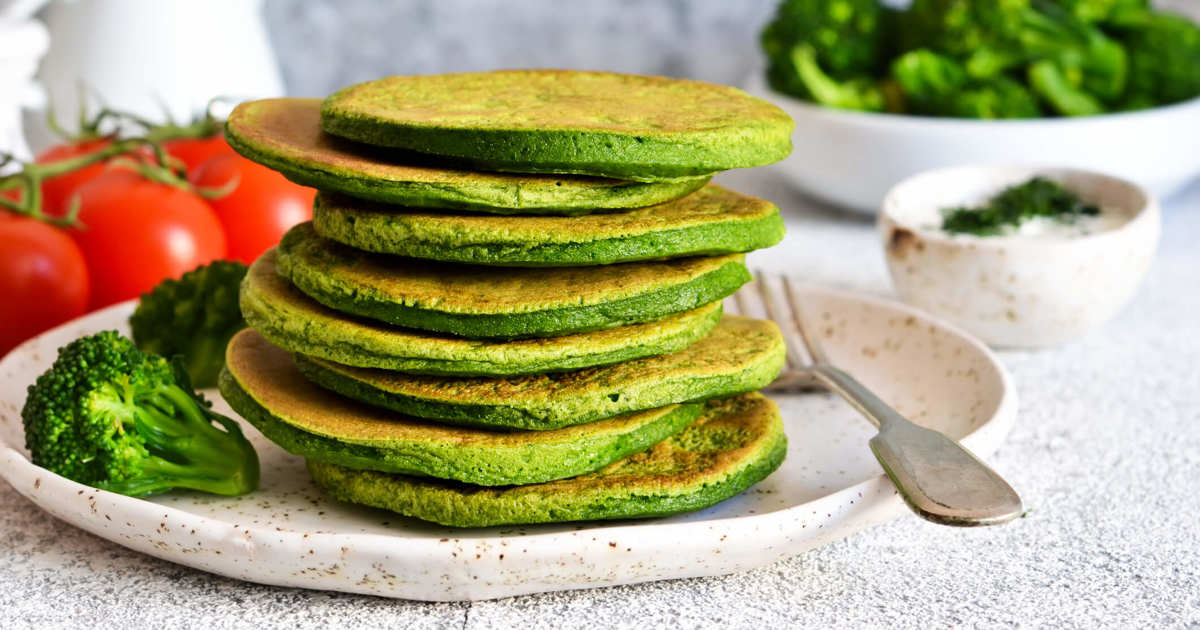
939	478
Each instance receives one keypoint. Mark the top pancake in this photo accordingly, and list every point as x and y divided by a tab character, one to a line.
563	121
285	134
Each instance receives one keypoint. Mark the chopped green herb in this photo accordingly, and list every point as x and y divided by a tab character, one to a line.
1038	197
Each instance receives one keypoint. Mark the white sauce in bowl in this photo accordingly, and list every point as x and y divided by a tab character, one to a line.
1040	228
1049	227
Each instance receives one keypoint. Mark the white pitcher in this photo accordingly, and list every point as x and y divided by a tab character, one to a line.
139	55
22	43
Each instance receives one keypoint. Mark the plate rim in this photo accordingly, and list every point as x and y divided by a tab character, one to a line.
770	536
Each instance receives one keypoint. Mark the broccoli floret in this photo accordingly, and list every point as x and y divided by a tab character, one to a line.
111	416
1086	57
994	38
193	317
1164	59
1102	10
960	27
927	79
858	93
937	85
846	37
989	62
1000	97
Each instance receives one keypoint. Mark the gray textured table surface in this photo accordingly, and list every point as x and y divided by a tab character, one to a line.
1106	454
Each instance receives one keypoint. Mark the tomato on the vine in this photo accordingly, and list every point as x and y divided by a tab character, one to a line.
262	206
57	191
136	232
43	279
195	151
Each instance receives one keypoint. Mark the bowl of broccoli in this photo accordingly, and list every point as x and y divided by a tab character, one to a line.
880	93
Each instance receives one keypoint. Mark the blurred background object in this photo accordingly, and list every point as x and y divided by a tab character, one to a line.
22	44
714	40
142	57
219	47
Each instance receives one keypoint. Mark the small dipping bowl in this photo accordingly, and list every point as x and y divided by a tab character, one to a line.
1017	291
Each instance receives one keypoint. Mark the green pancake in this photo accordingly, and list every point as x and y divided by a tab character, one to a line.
298	323
734	444
494	302
565	121
708	222
285	134
740	355
261	383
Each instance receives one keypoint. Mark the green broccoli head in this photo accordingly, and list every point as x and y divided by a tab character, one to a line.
1164	59
846	37
1102	10
960	27
936	85
110	416
1000	97
1086	57
995	38
193	317
927	79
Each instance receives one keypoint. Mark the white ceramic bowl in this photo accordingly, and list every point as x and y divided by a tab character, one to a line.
851	159
1017	291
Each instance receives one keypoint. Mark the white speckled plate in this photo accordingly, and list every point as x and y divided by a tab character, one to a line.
289	534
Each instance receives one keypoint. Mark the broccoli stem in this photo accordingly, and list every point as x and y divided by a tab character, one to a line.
857	94
1049	82
186	449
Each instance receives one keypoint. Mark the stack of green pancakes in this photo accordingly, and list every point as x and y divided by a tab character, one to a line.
507	306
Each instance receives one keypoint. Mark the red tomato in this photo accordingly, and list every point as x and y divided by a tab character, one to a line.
56	191
260	209
195	151
42	277
137	232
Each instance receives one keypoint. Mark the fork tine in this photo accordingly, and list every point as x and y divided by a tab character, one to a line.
810	342
751	291
775	313
739	299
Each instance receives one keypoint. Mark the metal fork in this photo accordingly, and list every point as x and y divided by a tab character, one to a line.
939	478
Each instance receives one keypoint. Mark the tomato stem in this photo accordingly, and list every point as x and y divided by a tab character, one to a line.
164	170
200	128
29	179
204	125
89	126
